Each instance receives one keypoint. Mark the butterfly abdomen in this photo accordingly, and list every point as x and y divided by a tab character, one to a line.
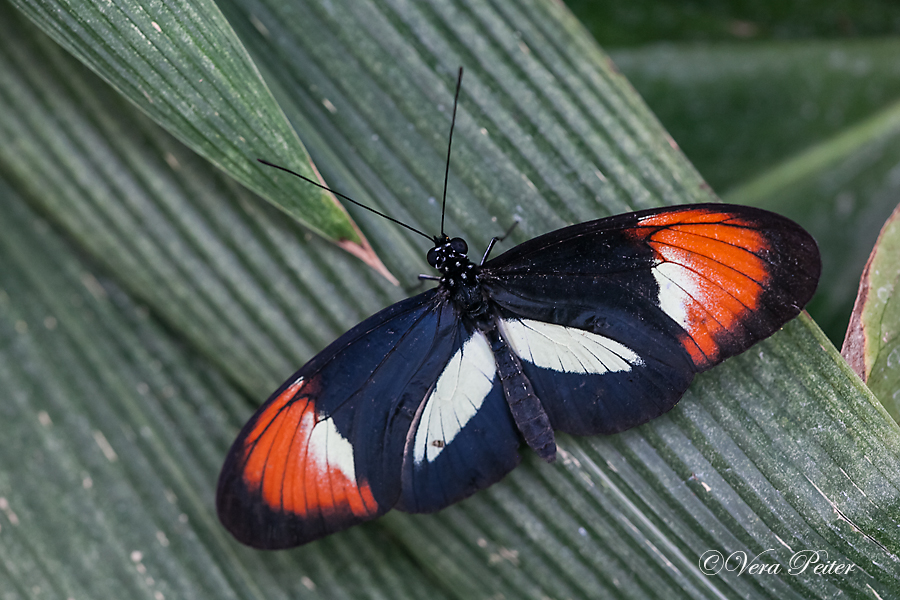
528	413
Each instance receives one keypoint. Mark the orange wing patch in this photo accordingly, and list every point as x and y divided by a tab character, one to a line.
710	273
300	463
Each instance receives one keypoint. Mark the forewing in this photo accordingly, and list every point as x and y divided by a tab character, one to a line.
326	450
612	318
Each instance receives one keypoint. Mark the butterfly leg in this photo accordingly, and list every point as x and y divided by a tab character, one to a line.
496	239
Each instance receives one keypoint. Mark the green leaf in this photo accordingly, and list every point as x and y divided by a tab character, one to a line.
205	299
182	64
872	346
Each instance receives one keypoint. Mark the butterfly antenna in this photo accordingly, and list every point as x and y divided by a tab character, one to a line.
449	144
347	198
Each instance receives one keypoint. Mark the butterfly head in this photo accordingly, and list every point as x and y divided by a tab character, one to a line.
449	257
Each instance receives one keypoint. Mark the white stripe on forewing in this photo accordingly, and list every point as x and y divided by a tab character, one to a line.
567	349
678	290
458	394
330	449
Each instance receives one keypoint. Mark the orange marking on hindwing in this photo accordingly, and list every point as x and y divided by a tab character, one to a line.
298	462
713	261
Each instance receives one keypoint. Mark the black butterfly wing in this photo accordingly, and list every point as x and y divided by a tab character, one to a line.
382	416
612	318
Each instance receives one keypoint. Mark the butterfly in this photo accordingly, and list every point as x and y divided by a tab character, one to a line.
590	329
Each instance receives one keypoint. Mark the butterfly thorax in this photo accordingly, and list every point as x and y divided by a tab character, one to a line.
459	275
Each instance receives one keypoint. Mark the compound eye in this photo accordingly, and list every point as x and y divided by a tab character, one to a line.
459	245
432	257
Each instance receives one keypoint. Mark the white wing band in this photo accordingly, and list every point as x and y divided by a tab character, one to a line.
567	349
458	394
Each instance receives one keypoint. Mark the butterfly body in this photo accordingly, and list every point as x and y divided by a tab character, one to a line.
461	282
590	329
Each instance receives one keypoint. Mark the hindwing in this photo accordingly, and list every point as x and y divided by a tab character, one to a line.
463	437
